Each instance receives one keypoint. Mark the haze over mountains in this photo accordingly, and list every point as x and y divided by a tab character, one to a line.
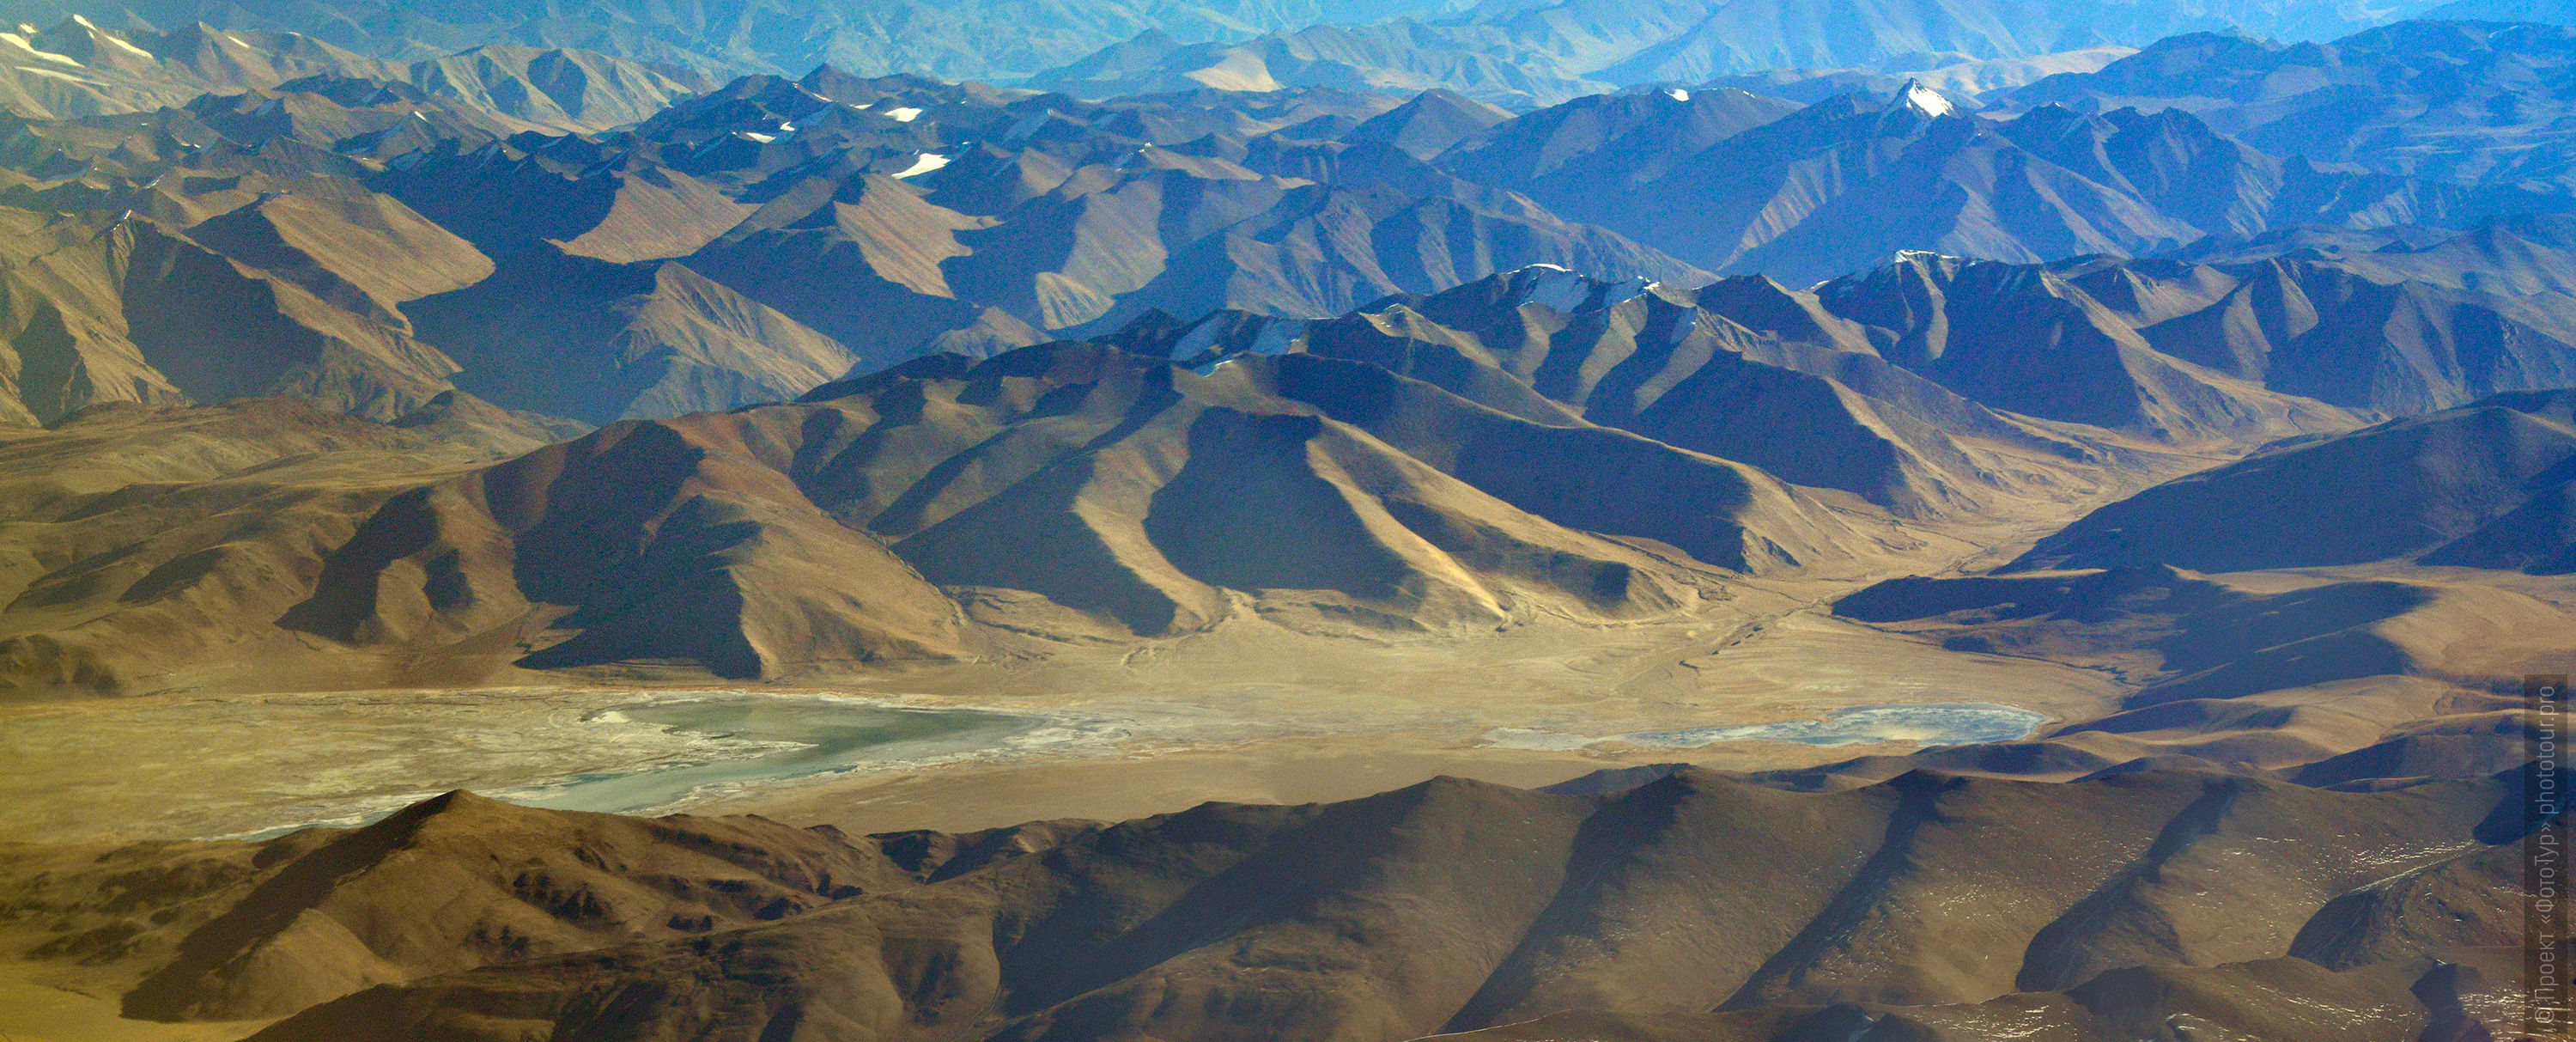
1526	55
75	68
1676	380
979	41
1540	53
1397	289
746	244
2475	102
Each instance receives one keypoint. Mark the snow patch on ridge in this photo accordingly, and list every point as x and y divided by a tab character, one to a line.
66	77
29	46
1552	286
111	38
1566	291
928	162
1677	94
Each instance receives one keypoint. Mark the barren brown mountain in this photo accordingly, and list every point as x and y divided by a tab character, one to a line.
1447	906
1304	553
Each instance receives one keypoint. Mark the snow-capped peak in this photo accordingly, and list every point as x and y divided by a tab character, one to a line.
1916	96
1677	94
1564	290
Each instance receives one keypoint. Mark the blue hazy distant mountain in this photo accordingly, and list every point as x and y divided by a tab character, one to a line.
2480	102
1546	51
2550	12
1519	52
966	39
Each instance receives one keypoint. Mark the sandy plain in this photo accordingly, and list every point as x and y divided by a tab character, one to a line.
1249	712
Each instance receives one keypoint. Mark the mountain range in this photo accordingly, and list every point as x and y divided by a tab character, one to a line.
1633	394
1629	911
75	69
2480	102
987	40
1842	183
1526	55
1539	53
403	233
1758	431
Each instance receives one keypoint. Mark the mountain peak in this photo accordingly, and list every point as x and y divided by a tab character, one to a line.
1923	99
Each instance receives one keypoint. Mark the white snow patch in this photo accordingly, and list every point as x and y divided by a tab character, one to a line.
66	77
1552	286
1922	99
903	115
1677	94
928	162
29	46
762	138
787	128
126	47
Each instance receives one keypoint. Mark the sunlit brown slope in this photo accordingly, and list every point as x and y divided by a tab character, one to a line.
77	69
1845	387
2483	485
228	287
143	540
508	884
1060	490
2323	680
1445	906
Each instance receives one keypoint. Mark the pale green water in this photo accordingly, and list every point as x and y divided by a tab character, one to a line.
1951	723
707	745
1922	723
805	737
